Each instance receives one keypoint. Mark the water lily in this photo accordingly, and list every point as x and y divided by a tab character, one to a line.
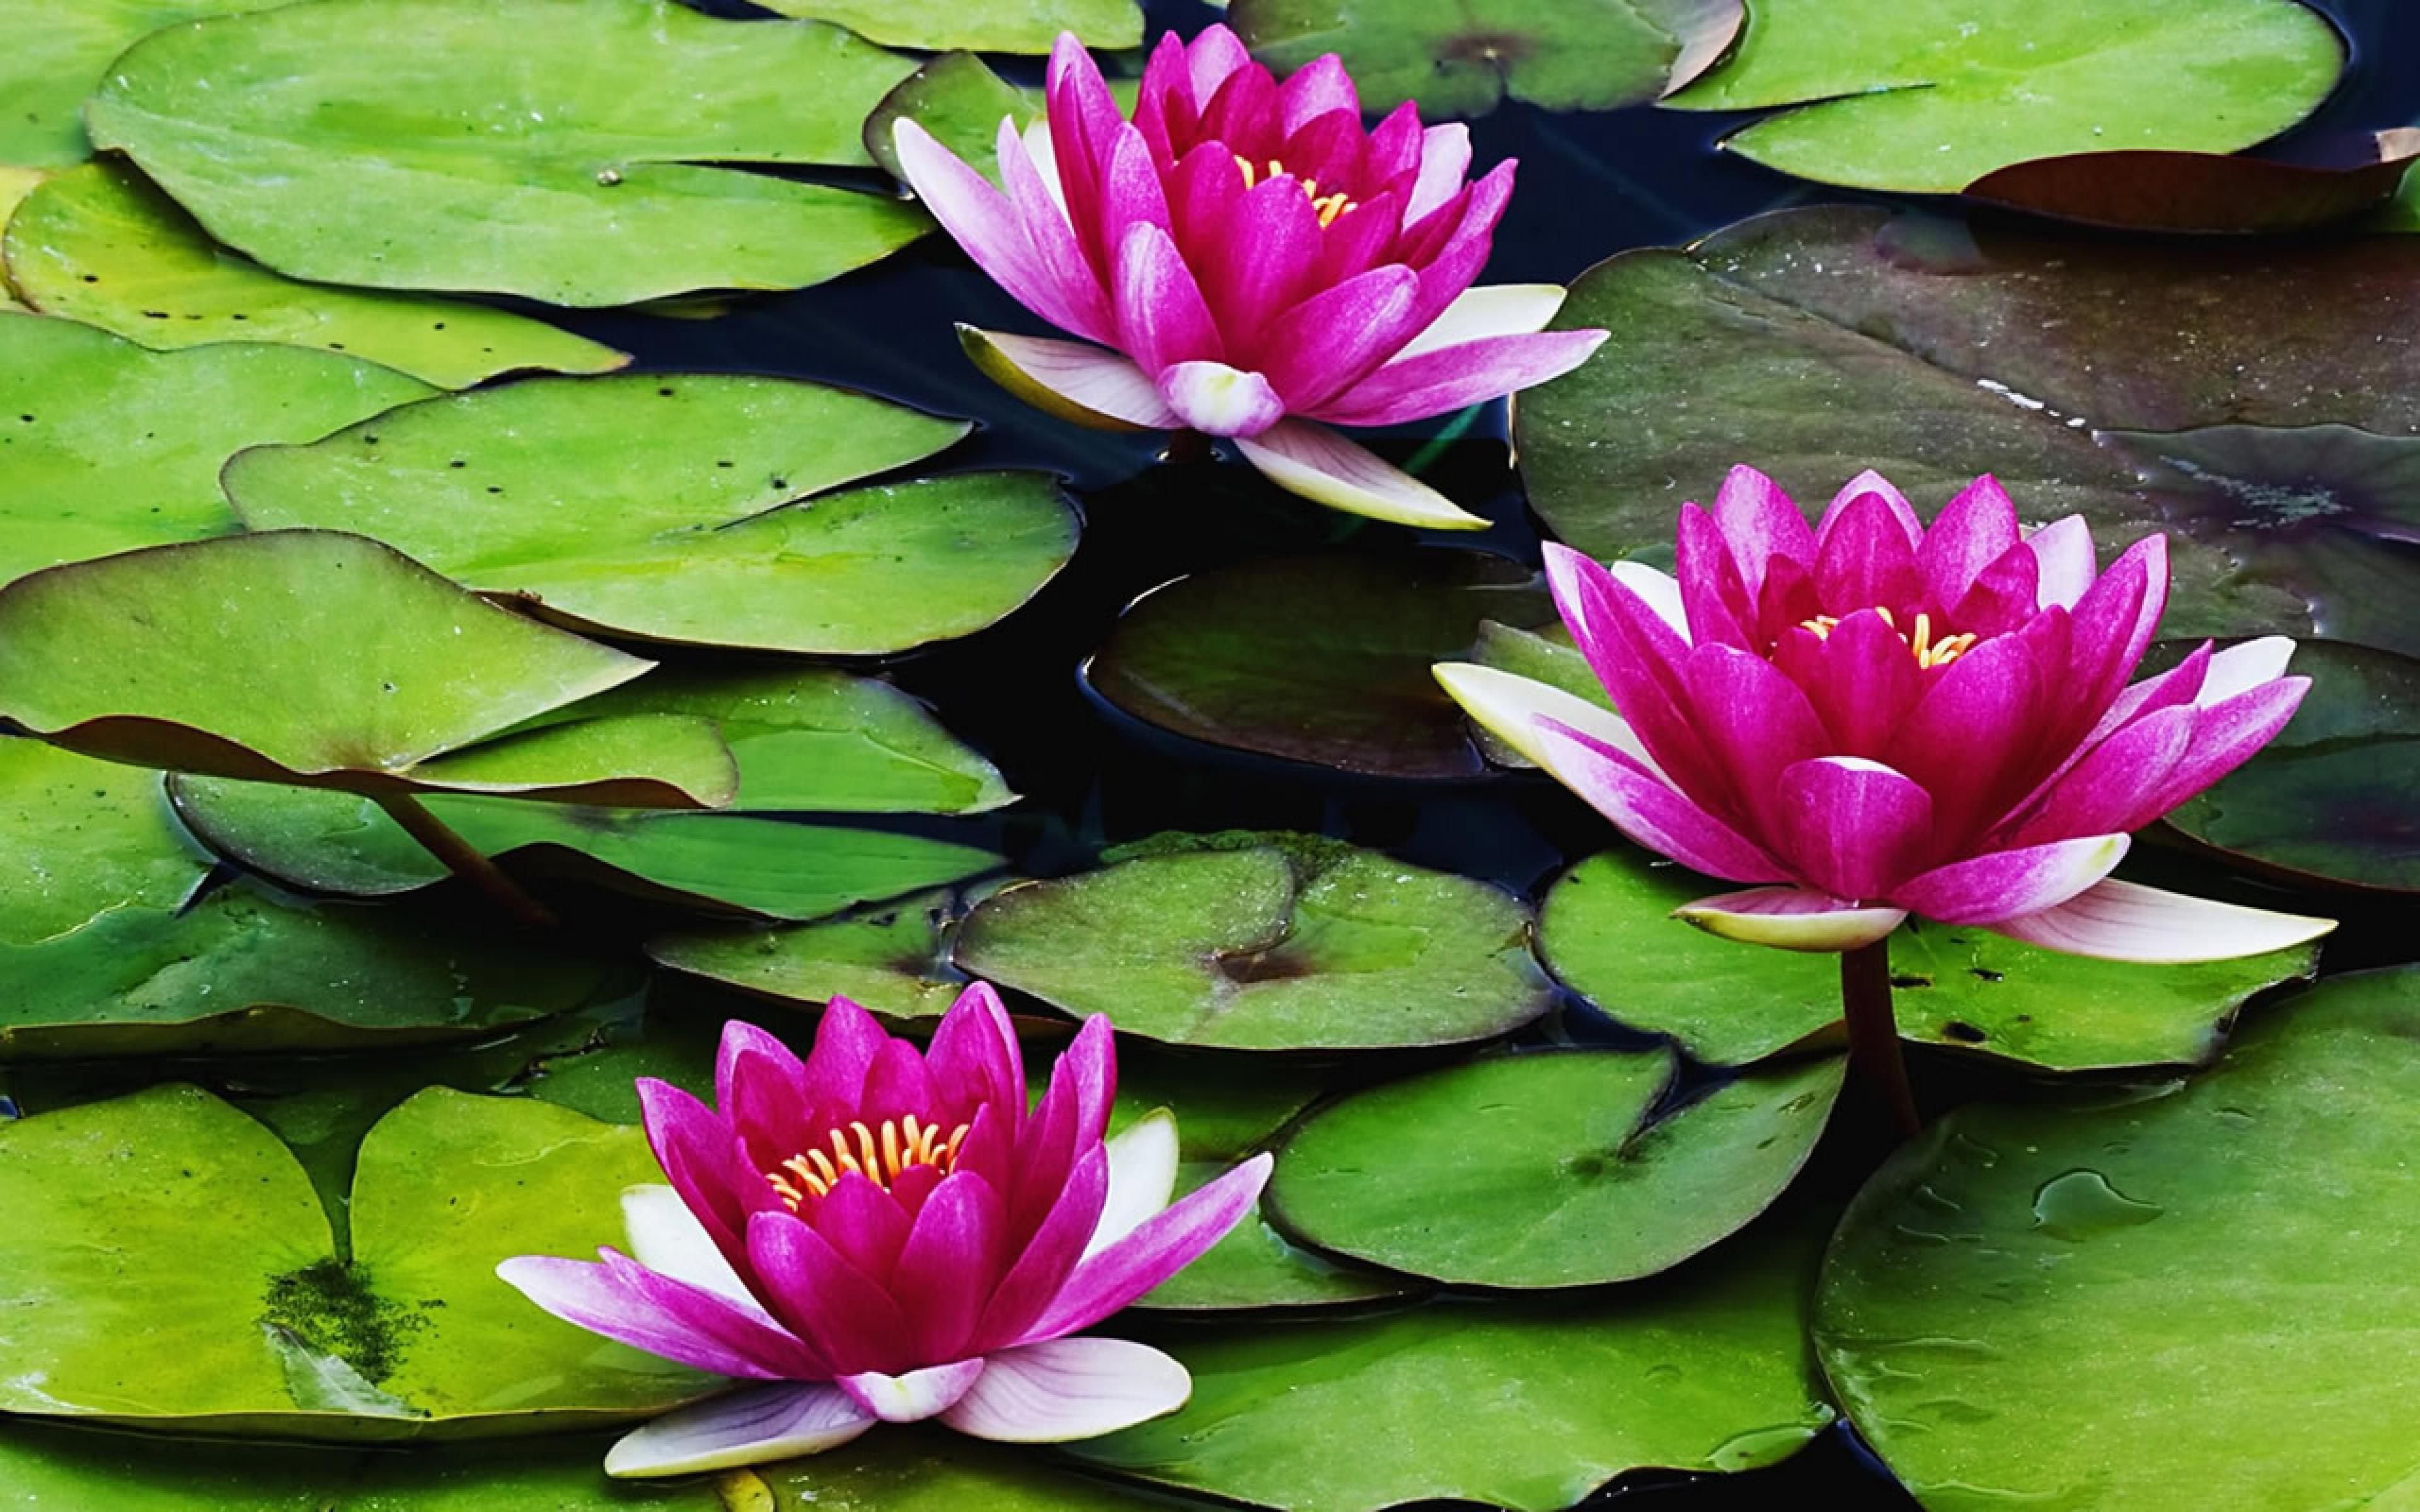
878	1234
1250	262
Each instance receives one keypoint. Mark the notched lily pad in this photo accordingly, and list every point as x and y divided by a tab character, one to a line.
1261	943
102	245
2205	193
327	141
892	959
987	26
1323	659
677	508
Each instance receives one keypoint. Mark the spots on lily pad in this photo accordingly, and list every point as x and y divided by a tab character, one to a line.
330	1307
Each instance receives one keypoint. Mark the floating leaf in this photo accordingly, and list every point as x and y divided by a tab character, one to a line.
329	142
225	1307
15	184
985	26
56	55
1322	659
1606	928
1934	352
1527	1405
660	507
890	959
99	244
959	99
1465	59
2207	193
2330	799
1281	944
1560	1169
1896	98
2090	1273
71	486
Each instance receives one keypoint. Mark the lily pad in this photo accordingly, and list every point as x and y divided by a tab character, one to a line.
959	99
2330	799
1282	944
568	150
70	397
1323	659
1605	930
1558	1170
1934	351
102	245
225	1307
2199	1299
1896	99
1527	1405
890	959
333	842
2205	193
661	507
1468	59
56	55
980	26
322	658
15	184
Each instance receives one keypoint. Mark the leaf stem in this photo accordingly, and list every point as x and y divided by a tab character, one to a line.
464	859
1874	1055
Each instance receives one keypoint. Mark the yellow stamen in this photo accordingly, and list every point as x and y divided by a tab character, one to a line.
881	1158
1329	205
1928	653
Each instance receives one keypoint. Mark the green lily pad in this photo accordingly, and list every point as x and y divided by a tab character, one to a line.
1323	659
102	245
328	142
1605	930
1280	945
71	486
676	508
331	841
1934	351
57	53
1901	99
224	1307
15	184
959	99
1560	1169
984	26
1527	1405
327	659
2191	1300
1465	59
2331	798
890	959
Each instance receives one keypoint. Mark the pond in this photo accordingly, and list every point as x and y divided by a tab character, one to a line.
456	656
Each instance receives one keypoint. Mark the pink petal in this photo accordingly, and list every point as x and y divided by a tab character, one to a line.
1087	385
2225	735
1863	559
1162	319
2114	623
763	1089
1445	163
1638	653
1713	595
896	1086
1064	1389
1048	1257
1084	124
1268	245
2002	885
1078	303
759	1425
1131	191
1163	1245
2104	793
1215	54
1970	534
848	1039
915	1395
1861	679
862	1223
983	221
1755	723
1447	273
2064	549
1395	145
1453	377
1759	523
2002	597
1650	812
632	1305
2124	921
1310	460
1870	485
1515	710
1220	400
1090	1064
1971	738
1330	341
852	1322
704	1161
1790	918
975	1058
1316	88
1855	828
1659	591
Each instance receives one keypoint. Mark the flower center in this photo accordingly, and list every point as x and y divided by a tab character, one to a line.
878	1154
1328	206
1928	651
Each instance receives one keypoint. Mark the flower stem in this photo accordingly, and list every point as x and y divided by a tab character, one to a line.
1874	1055
464	860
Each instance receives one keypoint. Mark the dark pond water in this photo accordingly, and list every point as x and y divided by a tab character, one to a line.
1589	186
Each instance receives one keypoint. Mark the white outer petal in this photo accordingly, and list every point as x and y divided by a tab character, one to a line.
1143	1178
2127	921
1319	465
1070	1388
667	1238
1789	918
2241	669
1509	707
745	1427
1046	160
1660	590
1496	309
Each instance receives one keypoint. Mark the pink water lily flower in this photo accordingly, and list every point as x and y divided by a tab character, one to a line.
880	1234
1869	719
1250	261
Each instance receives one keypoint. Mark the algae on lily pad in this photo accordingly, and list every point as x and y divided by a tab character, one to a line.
686	508
977	25
102	245
1275	942
1926	100
2192	1296
573	152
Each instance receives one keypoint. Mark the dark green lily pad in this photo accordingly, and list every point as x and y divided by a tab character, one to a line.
57	51
226	1309
2205	193
1527	1405
1605	930
1322	659
2192	1299
331	841
1465	59
2331	799
1283	944
328	142
676	508
102	245
71	486
326	659
1934	351
1560	1169
890	959
986	26
1902	100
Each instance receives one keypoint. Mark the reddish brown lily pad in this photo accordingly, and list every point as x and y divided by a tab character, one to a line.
2205	193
